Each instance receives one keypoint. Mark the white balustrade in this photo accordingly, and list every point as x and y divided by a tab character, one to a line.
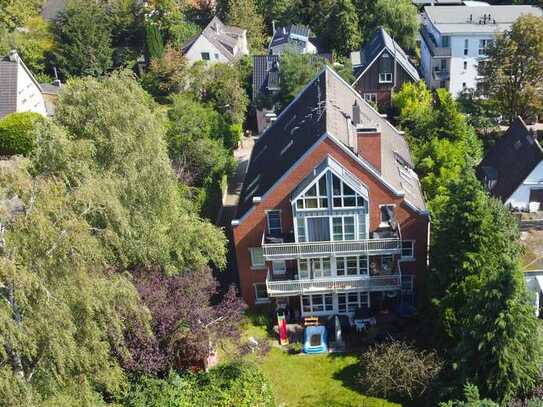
282	251
333	284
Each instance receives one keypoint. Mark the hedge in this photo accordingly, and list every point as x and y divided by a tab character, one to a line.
16	133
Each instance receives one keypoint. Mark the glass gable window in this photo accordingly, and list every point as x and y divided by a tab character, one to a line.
351	266
344	196
343	228
316	197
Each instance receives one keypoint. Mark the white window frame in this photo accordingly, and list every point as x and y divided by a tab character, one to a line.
390	259
381	223
261	300
313	304
342	195
362	262
303	198
307	268
385	77
268	221
483	45
412	256
370	97
254	265
466	46
208	56
279	267
363	298
342	217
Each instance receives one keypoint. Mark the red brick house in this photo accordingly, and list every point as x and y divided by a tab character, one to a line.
380	68
331	216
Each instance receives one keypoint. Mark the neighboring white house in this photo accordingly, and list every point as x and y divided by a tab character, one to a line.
218	42
294	38
454	41
19	90
512	169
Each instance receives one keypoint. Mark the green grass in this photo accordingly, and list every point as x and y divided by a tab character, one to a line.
310	380
316	380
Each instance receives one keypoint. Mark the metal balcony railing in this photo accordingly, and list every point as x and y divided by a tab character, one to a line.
297	250
435	50
333	284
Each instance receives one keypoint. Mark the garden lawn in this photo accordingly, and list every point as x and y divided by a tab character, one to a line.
316	380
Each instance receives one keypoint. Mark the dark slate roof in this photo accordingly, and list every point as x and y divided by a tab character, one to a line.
51	8
508	163
324	107
380	40
265	74
8	86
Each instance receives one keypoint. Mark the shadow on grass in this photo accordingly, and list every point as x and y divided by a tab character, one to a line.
349	374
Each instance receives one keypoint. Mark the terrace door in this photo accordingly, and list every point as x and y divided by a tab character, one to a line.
318	229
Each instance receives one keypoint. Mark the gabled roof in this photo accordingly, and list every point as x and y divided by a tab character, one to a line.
323	109
508	163
265	74
293	34
379	42
9	77
478	19
224	37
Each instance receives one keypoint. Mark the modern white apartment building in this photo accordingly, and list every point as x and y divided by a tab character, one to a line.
454	41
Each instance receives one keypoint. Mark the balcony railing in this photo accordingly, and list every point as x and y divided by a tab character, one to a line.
333	284
435	51
296	250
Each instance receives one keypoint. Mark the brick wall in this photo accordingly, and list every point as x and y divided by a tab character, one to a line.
249	232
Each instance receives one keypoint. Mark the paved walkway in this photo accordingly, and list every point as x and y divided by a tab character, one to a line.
231	198
229	209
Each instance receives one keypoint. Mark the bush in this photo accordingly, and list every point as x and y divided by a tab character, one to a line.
398	370
16	133
237	384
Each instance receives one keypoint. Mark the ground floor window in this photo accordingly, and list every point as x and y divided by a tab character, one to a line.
261	293
317	303
350	302
352	265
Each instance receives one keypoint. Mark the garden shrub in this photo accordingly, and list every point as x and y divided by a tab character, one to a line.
395	369
235	384
16	133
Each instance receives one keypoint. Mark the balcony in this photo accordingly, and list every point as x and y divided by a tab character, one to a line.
435	51
439	74
298	250
293	287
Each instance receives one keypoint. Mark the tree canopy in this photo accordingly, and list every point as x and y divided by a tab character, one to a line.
83	36
513	71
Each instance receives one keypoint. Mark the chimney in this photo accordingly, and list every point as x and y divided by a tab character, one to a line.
13	55
368	143
356	114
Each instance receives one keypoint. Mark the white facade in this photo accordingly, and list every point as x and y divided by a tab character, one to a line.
453	41
201	47
29	95
520	199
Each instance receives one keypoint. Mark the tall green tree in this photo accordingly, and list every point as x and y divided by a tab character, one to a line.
149	220
342	28
244	14
479	293
513	71
63	313
399	18
15	13
154	41
83	34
